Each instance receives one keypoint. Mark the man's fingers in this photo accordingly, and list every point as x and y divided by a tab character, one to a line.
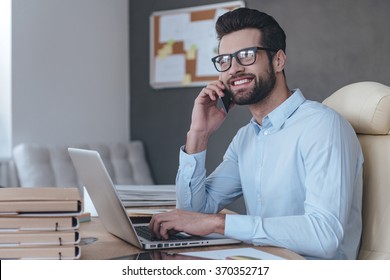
166	229
160	225
211	93
213	90
154	226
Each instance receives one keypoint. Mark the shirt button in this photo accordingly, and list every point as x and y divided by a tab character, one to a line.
265	132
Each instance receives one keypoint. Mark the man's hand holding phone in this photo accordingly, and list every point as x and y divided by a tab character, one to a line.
207	116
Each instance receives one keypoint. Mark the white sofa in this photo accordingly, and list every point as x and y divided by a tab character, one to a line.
50	165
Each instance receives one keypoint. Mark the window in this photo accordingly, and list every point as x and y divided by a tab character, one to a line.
5	80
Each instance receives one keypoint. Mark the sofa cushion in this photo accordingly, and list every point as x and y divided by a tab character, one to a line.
51	166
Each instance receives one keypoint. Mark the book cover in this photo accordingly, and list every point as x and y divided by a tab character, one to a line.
56	223
39	194
39	206
69	252
39	238
39	200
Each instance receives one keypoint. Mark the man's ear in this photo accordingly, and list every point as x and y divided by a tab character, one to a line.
279	61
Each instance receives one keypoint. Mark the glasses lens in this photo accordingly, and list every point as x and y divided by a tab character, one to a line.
222	62
246	57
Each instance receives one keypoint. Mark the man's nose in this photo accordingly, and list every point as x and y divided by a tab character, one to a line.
235	67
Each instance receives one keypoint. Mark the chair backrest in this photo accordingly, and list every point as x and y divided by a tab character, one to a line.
50	165
366	105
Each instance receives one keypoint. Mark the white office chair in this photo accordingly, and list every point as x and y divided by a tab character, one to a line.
366	105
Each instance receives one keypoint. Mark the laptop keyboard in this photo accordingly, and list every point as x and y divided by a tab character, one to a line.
144	232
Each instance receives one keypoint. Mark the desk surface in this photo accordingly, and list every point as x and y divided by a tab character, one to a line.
107	246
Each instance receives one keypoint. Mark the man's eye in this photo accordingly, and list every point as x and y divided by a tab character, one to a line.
246	54
224	60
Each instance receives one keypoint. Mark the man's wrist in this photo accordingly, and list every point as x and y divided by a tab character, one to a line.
220	223
196	142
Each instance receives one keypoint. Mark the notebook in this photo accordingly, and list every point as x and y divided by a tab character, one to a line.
95	178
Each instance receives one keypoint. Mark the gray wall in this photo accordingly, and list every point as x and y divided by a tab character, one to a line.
70	71
329	44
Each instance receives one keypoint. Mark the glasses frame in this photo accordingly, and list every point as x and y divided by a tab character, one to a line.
235	54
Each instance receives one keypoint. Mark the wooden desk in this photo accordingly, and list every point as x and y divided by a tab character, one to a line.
107	246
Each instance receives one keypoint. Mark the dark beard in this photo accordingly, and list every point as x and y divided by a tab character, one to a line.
261	90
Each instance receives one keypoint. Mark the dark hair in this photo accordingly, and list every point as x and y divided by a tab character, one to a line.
273	36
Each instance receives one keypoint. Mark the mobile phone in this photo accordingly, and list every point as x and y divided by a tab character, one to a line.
226	100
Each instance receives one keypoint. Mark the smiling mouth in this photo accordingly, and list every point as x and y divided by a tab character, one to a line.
241	82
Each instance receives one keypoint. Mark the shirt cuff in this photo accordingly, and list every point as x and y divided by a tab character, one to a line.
192	165
244	227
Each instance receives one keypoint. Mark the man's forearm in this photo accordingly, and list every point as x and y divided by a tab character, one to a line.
196	142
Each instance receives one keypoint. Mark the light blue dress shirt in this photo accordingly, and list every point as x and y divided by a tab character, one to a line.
300	174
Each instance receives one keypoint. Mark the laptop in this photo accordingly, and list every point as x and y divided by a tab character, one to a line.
95	178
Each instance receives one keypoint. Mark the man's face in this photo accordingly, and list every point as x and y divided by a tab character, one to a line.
247	84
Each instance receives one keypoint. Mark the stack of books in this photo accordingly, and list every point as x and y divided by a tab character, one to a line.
39	223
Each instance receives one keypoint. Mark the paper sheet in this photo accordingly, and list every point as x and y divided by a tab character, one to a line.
234	254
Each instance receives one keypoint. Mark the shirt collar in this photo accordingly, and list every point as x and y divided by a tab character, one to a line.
274	120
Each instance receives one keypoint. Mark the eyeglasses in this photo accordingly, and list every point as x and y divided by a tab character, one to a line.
245	57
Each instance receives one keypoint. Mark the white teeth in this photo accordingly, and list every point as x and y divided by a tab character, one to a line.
240	82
